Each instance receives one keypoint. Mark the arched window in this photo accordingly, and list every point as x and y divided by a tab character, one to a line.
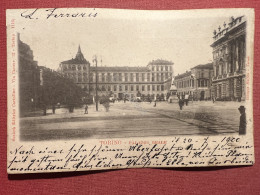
79	78
85	77
217	70
221	67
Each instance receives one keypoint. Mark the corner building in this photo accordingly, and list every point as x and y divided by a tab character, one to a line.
196	82
120	81
229	53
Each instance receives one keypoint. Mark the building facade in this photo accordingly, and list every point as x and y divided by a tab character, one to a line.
229	52
196	82
29	78
119	81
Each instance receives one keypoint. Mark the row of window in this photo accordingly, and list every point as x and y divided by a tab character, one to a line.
203	83
120	77
132	77
190	83
236	58
206	74
220	53
237	61
129	88
84	67
161	68
184	84
75	67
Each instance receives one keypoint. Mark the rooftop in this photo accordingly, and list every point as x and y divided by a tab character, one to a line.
75	61
119	69
183	75
233	23
79	59
160	62
203	66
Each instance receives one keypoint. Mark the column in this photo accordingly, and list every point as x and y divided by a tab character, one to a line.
237	56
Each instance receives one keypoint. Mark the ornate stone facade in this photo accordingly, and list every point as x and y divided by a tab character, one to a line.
229	53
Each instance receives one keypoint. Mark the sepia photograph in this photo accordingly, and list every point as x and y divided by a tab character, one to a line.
125	78
107	89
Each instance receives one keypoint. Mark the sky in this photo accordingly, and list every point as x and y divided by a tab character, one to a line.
131	39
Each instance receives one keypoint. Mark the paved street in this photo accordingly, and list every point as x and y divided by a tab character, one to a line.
132	119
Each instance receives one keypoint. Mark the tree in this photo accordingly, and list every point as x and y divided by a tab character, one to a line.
59	89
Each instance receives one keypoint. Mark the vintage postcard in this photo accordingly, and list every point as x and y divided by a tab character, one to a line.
92	89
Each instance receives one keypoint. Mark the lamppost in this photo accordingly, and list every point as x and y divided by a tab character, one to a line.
95	61
193	77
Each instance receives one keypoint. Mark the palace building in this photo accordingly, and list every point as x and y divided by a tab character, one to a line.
120	81
196	82
229	52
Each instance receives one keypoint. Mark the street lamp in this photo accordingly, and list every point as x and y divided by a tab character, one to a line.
193	77
95	61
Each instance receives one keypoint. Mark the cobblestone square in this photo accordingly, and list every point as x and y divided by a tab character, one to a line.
134	119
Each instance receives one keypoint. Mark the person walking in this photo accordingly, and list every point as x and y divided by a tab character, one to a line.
53	108
242	123
180	102
86	109
186	99
154	103
213	98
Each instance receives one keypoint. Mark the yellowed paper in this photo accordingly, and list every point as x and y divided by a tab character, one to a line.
92	89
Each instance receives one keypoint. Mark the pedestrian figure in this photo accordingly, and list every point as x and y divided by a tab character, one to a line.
181	103
106	105
242	124
154	103
53	108
71	108
186	99
213	99
86	109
